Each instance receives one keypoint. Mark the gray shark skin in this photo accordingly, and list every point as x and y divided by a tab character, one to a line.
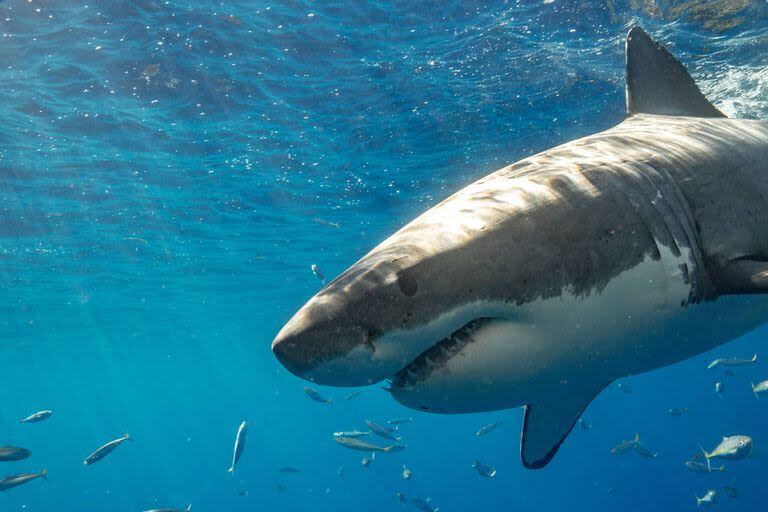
540	284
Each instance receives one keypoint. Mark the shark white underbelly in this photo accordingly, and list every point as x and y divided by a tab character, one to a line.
538	351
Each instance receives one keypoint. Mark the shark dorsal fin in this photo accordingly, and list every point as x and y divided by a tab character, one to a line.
658	84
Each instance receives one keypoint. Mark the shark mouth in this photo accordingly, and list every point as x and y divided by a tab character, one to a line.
437	356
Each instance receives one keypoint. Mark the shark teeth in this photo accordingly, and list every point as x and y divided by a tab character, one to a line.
436	356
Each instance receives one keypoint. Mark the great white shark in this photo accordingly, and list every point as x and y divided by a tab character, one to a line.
542	283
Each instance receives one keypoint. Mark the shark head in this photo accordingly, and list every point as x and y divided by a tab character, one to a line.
378	317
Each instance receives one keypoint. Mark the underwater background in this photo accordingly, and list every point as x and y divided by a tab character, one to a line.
169	171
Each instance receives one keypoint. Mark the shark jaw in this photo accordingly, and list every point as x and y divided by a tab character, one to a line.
437	356
404	355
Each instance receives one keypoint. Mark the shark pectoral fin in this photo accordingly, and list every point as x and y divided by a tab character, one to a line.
658	84
743	276
547	423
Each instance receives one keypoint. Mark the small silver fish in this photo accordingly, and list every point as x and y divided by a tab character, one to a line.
357	444
641	449
733	492
340	472
760	388
317	397
328	223
105	450
626	388
354	394
402	498
188	509
367	461
400	421
242	431
731	362
487	428
13	453
709	499
351	433
385	432
733	447
406	473
719	388
289	469
424	505
625	446
318	273
483	470
700	467
678	412
38	416
12	481
584	424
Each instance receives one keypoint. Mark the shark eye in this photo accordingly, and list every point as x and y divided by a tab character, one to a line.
407	284
741	443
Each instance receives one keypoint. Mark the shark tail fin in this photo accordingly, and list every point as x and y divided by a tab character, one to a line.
699	501
43	474
329	401
231	470
721	468
127	437
755	391
754	358
637	438
189	508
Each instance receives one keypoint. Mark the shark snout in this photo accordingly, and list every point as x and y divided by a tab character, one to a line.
325	349
289	351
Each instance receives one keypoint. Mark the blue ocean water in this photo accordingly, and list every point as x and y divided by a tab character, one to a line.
170	170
